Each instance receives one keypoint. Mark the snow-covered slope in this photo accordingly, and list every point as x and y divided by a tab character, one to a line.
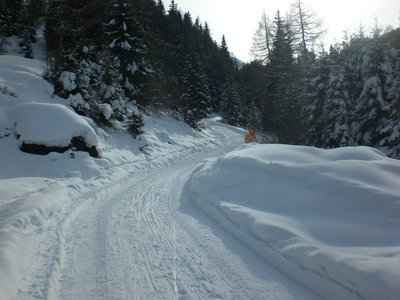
36	191
330	218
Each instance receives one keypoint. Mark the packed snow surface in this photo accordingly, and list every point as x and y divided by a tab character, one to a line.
334	214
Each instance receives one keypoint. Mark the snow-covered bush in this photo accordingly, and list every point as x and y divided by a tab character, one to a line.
6	90
135	125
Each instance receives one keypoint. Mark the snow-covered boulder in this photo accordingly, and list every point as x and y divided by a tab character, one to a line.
44	127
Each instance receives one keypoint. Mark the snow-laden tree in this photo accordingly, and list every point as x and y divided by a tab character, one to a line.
372	102
390	132
11	12
254	85
279	76
232	104
337	112
195	92
124	47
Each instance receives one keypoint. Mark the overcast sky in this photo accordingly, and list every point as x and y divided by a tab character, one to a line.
238	19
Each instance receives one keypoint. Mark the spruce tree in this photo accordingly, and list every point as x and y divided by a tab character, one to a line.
196	94
369	110
254	87
390	132
313	111
126	48
11	15
279	72
337	112
232	103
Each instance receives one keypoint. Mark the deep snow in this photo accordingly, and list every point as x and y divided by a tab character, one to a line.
329	219
330	214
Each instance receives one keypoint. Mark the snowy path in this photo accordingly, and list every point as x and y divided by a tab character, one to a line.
141	239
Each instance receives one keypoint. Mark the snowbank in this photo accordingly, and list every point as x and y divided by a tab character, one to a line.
315	213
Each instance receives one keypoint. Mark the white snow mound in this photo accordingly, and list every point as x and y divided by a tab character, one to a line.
332	213
50	125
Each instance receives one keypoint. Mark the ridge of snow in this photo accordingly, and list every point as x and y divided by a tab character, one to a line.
331	213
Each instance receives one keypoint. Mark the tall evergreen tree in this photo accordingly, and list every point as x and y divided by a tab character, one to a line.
391	128
279	72
233	106
313	110
196	93
11	15
254	85
126	44
337	112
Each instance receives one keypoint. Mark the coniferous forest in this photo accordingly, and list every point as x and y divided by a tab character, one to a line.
112	59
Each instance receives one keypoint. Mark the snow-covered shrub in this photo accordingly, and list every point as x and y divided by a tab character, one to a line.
6	90
135	125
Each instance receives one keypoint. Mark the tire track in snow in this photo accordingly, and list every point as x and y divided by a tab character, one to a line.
135	242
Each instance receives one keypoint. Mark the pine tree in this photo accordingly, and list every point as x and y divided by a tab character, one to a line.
232	109
37	8
253	79
369	110
11	12
313	110
279	72
337	116
54	40
126	48
31	11
196	94
390	133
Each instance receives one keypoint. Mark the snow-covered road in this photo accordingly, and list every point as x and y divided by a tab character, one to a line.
142	239
128	225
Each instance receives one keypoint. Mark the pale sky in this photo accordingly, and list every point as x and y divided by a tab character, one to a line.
238	19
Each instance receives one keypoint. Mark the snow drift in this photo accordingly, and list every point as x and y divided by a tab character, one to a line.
330	214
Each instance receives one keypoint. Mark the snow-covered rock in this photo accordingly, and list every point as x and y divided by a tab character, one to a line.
107	110
50	125
330	214
68	80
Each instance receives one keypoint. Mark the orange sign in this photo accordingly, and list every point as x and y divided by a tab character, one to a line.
250	136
